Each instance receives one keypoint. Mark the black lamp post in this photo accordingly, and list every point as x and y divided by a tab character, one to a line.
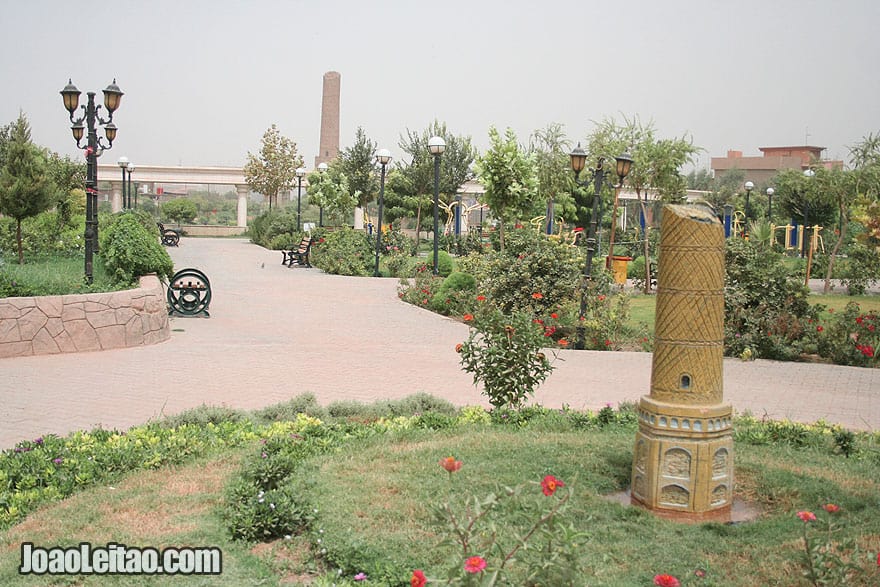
749	187
770	192
129	168
383	156
123	165
300	172
94	146
322	167
436	145
578	162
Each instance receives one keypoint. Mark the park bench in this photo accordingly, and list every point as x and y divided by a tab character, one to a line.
300	255
189	293
169	236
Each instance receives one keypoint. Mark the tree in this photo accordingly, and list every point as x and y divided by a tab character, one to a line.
656	164
507	173
25	186
69	178
413	184
550	151
180	210
357	164
331	191
274	170
798	193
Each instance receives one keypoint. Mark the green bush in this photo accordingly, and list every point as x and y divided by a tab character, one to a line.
275	230
852	337
344	252
44	234
531	263
765	306
445	265
130	250
455	295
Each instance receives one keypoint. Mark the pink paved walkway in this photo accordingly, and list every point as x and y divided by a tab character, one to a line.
275	333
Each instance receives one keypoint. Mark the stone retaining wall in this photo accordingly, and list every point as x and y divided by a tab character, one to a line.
84	322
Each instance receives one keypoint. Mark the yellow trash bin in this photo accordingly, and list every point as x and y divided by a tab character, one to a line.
618	268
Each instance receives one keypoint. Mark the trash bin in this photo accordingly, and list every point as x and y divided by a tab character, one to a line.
618	268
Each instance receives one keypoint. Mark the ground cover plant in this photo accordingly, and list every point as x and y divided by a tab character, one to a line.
309	478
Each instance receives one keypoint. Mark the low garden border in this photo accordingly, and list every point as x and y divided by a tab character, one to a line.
73	323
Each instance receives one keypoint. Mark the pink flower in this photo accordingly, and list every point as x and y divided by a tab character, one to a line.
450	464
475	564
807	516
550	484
360	577
831	508
666	581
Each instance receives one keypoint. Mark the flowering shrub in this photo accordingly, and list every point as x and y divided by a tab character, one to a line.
421	290
852	337
503	352
344	251
488	551
826	562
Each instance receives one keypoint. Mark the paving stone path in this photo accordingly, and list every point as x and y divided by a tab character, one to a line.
275	333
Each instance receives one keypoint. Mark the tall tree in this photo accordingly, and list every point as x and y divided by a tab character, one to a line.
274	170
358	163
414	182
550	151
507	173
656	164
332	192
25	186
69	177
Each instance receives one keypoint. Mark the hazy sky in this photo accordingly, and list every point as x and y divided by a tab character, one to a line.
204	79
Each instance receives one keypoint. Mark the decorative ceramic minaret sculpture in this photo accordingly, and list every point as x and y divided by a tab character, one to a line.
683	461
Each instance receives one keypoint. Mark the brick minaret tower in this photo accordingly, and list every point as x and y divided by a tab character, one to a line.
329	145
683	464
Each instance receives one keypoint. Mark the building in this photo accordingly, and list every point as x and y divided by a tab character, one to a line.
761	170
329	142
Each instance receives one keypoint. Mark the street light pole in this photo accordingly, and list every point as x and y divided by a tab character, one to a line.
578	162
770	192
300	172
132	205
383	156
436	145
94	145
808	173
123	164
322	167
749	187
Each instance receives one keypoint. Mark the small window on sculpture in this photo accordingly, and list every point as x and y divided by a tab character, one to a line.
685	382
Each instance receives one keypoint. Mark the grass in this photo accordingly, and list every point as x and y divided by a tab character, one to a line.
55	276
172	506
375	496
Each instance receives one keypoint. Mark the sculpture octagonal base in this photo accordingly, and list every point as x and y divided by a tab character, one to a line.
683	461
721	515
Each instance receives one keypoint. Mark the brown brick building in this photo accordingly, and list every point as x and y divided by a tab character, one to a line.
761	169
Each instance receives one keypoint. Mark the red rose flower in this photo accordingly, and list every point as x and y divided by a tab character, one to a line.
666	581
450	464
563	343
554	315
458	347
537	296
831	508
807	516
467	317
481	298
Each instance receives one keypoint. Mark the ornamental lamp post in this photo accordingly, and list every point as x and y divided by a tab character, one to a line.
624	162
300	172
578	162
770	192
93	148
383	156
123	165
749	187
129	168
436	145
322	168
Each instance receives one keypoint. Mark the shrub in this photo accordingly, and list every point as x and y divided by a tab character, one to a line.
275	230
851	337
130	250
531	263
455	295
421	290
445	266
503	352
862	269
344	252
765	306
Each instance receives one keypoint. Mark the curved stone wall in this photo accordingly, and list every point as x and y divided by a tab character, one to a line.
84	322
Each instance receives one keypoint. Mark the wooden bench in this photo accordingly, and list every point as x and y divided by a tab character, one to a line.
300	255
168	236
